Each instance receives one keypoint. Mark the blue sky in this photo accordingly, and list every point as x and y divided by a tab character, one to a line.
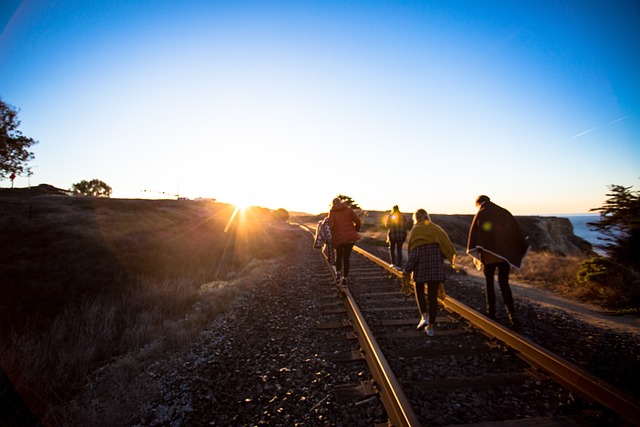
289	103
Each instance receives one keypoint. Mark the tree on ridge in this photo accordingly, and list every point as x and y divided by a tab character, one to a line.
95	188
14	153
348	201
620	222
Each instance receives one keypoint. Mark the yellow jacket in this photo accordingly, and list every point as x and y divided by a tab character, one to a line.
426	232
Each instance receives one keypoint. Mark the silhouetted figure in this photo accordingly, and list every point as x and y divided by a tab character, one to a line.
496	242
324	241
396	223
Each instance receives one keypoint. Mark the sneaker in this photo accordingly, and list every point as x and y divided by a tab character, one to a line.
338	277
423	322
430	331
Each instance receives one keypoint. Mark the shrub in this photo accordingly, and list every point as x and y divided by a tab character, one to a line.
282	214
609	283
598	270
549	270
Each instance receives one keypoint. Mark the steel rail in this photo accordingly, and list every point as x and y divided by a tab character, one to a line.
588	386
399	409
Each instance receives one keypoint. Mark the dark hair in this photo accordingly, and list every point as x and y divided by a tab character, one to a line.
482	199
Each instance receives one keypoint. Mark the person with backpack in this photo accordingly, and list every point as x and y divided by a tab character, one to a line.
396	223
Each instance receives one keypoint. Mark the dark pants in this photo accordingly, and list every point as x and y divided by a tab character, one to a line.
395	250
432	291
343	252
503	281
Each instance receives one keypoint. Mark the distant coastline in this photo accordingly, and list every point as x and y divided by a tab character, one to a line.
582	230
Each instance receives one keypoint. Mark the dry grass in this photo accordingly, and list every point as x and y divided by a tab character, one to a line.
87	281
549	270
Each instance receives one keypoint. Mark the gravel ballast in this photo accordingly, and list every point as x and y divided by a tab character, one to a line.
264	363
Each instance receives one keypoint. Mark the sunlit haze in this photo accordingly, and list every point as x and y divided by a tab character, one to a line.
286	104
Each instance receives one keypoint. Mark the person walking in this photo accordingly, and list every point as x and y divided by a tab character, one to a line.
496	242
396	223
323	241
344	225
429	246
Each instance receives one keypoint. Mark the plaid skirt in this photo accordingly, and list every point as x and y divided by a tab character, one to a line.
427	264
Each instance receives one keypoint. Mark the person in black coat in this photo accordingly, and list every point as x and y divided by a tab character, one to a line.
496	242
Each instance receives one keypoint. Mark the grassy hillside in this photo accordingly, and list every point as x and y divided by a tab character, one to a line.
84	280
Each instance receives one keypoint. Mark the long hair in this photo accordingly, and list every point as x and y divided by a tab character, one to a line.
420	215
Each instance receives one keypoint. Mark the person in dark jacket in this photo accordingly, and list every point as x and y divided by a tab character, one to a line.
496	242
344	225
396	223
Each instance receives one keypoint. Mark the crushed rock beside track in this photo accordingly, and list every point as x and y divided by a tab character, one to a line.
263	364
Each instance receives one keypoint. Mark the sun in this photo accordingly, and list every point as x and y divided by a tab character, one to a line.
241	202
240	208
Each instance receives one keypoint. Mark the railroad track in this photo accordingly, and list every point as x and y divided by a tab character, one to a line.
470	372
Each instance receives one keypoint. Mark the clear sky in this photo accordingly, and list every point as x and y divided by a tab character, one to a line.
289	103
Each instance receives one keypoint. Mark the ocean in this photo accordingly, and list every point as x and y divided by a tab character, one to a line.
581	229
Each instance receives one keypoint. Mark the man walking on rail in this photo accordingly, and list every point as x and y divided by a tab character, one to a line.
496	241
396	223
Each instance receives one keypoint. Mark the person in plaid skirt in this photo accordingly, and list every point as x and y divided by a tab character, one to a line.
429	246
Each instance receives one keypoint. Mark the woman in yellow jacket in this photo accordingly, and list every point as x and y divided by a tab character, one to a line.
429	246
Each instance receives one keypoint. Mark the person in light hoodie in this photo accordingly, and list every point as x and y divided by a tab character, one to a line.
496	242
344	225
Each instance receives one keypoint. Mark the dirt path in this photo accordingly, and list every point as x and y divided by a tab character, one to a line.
588	313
